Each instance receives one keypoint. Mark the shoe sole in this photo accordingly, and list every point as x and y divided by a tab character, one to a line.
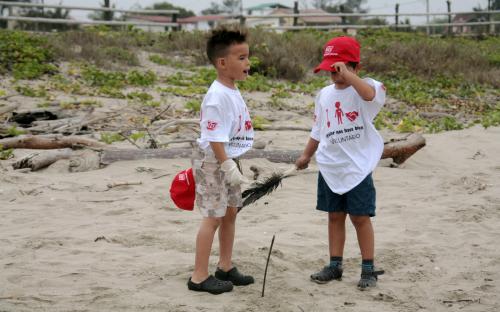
325	282
211	291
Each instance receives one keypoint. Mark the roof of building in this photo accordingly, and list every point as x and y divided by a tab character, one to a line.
152	18
202	18
264	6
310	19
319	19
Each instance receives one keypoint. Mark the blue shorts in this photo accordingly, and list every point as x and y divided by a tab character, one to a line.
360	201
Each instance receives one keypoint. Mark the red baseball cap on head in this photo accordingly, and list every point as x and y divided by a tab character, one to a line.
339	49
182	189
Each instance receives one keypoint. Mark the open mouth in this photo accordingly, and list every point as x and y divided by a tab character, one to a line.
246	71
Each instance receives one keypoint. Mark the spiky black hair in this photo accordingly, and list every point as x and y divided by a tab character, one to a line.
221	39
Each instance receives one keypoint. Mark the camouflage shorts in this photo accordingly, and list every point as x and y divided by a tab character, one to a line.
213	194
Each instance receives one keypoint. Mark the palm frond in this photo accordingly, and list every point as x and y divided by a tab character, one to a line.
265	187
261	188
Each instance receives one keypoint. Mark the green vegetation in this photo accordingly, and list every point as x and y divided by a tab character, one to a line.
137	136
141	96
6	153
79	104
13	131
31	92
457	76
258	122
111	137
157	59
492	118
193	105
25	55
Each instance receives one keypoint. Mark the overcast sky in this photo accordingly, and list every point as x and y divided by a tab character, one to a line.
374	6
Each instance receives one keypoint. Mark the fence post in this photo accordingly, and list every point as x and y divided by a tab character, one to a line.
428	29
10	23
242	21
448	3
295	11
492	26
107	15
343	18
174	20
397	15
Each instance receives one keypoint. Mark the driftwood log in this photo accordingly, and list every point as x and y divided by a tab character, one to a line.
48	142
79	161
39	160
399	150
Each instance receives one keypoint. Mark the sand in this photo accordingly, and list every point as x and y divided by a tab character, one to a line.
68	243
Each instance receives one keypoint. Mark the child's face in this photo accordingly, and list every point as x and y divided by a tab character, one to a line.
236	65
338	79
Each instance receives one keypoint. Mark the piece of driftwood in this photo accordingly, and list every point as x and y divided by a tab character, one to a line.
48	142
109	156
284	128
123	183
39	160
50	126
7	109
79	161
400	150
84	160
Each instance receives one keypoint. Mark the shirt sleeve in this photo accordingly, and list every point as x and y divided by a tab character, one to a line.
371	108
213	122
315	132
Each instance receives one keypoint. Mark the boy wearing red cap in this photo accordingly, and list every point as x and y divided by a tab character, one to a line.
226	133
348	148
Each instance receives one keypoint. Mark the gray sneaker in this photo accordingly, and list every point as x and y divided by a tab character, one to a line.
327	274
369	278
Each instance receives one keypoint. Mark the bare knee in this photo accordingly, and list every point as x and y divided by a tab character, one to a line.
231	214
360	221
212	223
336	217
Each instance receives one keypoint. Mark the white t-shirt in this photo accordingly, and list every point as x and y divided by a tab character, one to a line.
225	118
349	145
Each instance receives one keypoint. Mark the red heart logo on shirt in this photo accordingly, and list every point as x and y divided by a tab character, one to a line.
352	115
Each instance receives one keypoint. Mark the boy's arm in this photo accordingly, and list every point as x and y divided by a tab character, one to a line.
219	151
364	90
232	175
305	158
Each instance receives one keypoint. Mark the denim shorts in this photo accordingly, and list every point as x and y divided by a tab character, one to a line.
360	201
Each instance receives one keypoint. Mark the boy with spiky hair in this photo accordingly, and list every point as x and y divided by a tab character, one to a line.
348	148
226	134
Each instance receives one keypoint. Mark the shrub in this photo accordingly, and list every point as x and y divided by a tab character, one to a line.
25	55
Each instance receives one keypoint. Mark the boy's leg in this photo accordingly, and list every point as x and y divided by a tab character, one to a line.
336	233
225	270
226	238
364	232
204	241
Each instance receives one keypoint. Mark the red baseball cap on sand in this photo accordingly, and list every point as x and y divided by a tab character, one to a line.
182	189
339	49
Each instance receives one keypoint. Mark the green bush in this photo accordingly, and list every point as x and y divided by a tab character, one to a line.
25	55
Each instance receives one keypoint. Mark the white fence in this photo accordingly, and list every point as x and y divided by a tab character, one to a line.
244	18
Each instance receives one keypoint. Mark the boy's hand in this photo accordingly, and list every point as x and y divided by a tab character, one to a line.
232	175
340	68
302	162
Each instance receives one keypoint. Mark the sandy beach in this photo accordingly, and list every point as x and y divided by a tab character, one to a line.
69	243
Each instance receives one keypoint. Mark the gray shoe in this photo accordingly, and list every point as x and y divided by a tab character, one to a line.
327	274
369	278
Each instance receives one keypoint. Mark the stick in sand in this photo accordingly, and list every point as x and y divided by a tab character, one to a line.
265	187
267	263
